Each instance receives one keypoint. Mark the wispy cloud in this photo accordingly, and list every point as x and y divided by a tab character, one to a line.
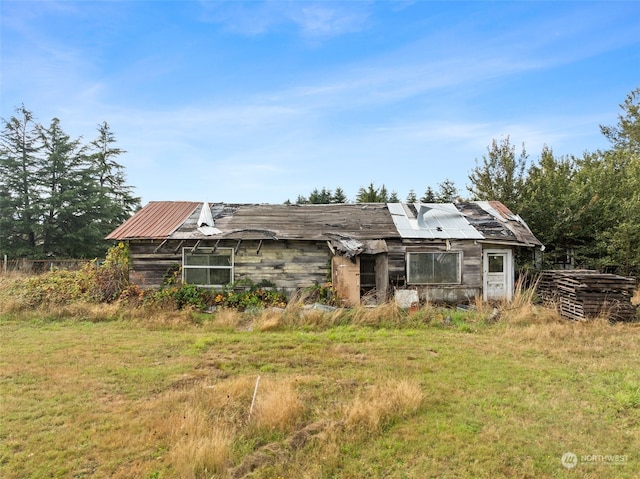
312	19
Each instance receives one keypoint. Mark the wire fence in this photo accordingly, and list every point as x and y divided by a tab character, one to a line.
35	266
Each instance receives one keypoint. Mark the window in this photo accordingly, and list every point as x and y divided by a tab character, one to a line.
206	267
433	268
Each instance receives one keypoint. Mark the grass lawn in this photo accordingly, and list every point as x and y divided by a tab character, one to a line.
145	399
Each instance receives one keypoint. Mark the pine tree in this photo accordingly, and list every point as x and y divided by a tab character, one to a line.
19	193
57	196
429	196
60	176
110	174
447	192
372	195
501	175
339	196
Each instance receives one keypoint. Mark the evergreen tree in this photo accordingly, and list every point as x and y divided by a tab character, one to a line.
58	196
372	195
339	196
110	175
501	175
625	135
546	203
411	197
19	194
394	197
447	192
322	197
429	196
59	178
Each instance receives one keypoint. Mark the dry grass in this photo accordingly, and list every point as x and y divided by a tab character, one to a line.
277	406
269	320
80	311
382	404
387	313
202	457
228	318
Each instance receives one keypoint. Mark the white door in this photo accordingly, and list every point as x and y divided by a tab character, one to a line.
497	274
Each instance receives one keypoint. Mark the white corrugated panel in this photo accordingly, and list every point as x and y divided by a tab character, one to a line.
432	221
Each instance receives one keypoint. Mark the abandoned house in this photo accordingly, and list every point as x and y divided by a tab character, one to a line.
445	252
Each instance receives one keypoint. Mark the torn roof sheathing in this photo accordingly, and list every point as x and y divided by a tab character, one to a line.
432	221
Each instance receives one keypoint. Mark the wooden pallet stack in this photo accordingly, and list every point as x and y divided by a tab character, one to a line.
586	294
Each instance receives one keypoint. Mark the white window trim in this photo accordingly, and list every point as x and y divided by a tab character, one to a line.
460	263
208	251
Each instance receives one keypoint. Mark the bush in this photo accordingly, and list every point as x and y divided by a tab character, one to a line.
254	296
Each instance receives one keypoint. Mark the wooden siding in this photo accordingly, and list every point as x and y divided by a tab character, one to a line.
287	264
467	290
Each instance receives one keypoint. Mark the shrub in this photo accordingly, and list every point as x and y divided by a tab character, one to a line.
262	295
191	296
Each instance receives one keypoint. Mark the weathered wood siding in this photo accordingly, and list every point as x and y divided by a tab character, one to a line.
292	264
468	289
288	264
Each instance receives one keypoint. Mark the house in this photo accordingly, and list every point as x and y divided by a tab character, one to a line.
446	252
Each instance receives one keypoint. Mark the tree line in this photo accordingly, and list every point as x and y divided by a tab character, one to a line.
585	209
59	196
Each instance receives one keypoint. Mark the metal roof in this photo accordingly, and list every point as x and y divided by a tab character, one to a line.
156	220
431	221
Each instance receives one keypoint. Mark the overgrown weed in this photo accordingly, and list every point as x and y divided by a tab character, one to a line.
381	405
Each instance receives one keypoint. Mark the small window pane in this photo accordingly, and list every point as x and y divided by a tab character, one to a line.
196	259
220	276
496	263
220	260
196	275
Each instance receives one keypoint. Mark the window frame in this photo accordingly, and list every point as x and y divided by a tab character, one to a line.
458	280
207	252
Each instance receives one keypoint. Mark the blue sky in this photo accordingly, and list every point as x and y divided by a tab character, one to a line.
244	102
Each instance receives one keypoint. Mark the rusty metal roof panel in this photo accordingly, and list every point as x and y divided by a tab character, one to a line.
156	220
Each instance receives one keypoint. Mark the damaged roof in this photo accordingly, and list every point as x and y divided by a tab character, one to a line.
497	223
259	221
341	223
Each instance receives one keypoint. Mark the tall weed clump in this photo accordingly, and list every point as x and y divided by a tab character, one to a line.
381	405
277	407
207	427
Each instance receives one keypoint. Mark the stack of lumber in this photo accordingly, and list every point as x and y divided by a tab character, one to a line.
586	294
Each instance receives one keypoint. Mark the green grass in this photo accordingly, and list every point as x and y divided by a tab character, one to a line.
151	400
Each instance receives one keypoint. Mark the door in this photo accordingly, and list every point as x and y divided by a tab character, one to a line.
345	275
497	275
